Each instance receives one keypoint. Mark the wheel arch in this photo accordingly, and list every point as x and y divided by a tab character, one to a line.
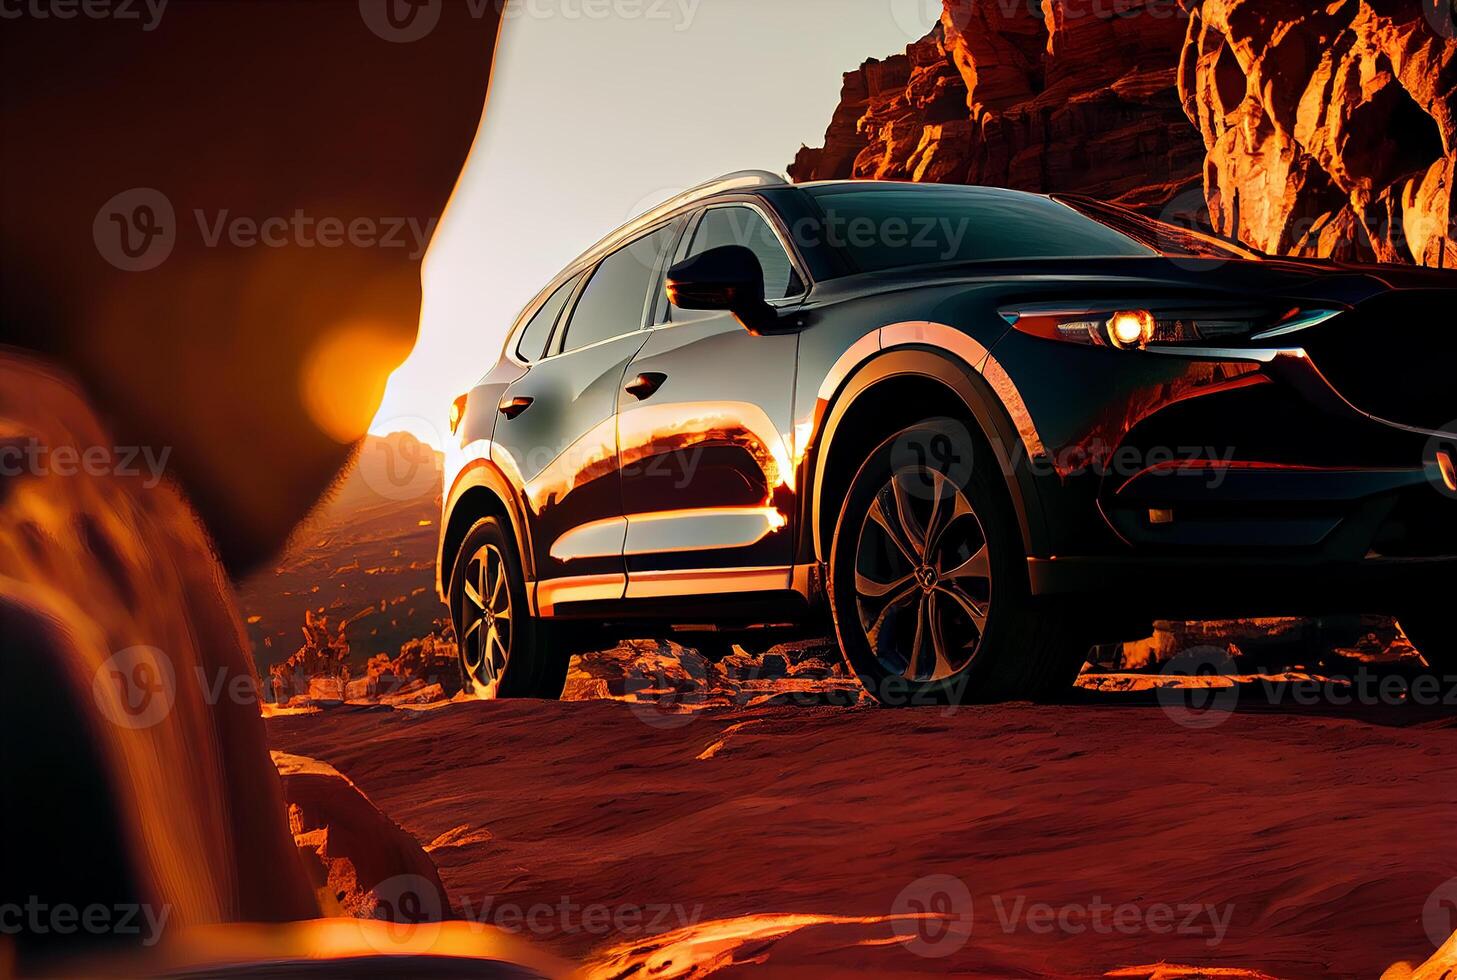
481	490
899	387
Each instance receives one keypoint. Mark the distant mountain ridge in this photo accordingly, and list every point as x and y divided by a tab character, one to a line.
365	558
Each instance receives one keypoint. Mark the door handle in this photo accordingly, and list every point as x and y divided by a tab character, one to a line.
512	407
645	385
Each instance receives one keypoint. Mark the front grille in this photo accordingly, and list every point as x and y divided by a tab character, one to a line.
1395	357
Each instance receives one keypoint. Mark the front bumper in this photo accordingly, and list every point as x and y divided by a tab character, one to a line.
1223	485
1219	588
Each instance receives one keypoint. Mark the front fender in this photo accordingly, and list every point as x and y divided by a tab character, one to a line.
949	357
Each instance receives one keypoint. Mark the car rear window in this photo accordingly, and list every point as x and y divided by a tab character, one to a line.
891	227
535	334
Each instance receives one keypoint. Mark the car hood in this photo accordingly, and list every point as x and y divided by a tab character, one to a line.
1316	280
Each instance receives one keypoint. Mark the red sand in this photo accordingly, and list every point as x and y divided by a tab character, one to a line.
1319	832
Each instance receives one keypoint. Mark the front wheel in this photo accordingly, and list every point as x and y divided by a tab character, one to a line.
928	580
505	652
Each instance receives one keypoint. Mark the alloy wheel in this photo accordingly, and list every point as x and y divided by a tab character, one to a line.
486	617
923	580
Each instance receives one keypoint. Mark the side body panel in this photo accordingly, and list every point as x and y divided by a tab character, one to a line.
561	454
707	477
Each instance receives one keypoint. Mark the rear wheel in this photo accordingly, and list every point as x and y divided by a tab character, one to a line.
505	652
1434	639
928	582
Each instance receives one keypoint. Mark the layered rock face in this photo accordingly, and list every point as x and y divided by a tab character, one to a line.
1330	128
1004	94
1307	129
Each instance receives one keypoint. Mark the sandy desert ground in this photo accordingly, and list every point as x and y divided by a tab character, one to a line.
1276	833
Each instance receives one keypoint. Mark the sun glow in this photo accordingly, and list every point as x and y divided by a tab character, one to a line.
344	377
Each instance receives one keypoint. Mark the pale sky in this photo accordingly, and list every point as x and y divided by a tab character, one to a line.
593	120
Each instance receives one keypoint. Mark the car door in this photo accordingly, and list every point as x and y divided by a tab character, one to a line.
557	440
705	432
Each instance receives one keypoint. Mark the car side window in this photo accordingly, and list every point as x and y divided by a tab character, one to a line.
738	225
536	333
616	296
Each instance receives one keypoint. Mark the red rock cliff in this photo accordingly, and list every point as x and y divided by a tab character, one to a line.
999	94
1303	128
1330	128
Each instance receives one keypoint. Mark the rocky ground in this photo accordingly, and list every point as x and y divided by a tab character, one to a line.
688	818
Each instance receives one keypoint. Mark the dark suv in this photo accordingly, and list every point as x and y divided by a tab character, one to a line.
981	429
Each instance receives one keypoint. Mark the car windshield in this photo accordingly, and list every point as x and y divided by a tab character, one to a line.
1162	236
895	226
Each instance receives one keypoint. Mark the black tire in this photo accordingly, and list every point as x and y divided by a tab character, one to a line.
1025	648
1434	640
523	661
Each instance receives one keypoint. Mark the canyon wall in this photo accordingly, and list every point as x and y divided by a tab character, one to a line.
1300	129
1330	129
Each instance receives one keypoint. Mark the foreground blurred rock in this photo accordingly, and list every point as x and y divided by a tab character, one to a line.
134	763
1325	130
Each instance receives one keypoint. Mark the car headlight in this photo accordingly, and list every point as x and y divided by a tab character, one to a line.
1138	329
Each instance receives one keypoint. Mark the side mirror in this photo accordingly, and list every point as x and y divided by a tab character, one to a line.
725	278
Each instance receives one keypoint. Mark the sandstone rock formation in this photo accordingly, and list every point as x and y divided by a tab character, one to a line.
997	94
1331	128
361	860
1323	129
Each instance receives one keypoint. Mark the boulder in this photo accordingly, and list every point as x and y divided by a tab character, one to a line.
362	862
